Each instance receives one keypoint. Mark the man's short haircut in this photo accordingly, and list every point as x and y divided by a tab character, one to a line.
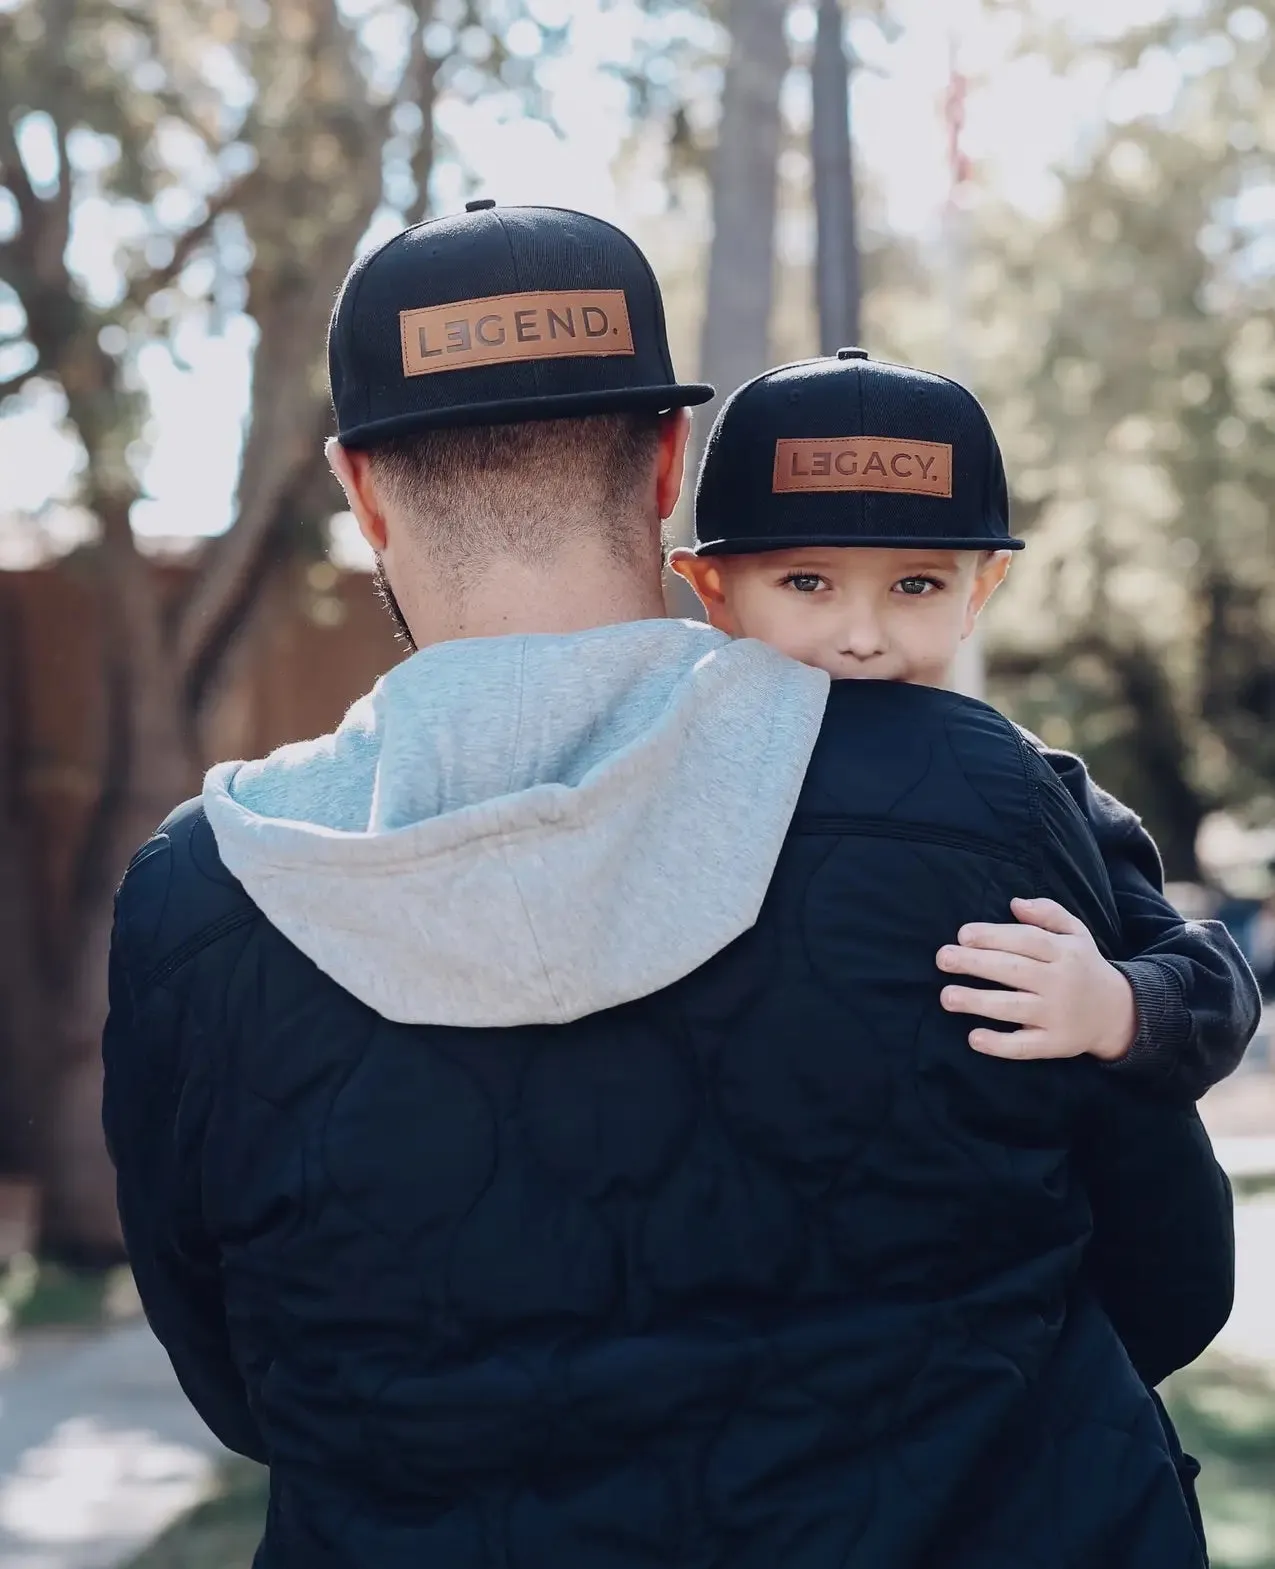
528	490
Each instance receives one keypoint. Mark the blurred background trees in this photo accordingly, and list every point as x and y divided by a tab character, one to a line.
1142	627
168	165
176	174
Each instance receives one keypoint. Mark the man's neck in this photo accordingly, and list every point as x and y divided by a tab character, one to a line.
513	600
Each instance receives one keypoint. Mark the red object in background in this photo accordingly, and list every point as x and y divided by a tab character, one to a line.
954	114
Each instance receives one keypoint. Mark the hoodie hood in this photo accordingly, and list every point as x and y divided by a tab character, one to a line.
524	830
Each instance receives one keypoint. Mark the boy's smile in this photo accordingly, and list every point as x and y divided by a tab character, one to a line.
858	613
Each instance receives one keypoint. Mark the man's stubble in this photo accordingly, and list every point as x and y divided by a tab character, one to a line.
381	586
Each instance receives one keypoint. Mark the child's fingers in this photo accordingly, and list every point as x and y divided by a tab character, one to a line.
1018	1045
1029	941
1049	916
1009	1007
990	964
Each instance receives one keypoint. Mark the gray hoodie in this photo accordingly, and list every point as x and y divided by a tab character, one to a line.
521	830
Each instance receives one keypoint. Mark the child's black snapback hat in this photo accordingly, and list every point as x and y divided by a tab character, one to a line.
496	315
851	451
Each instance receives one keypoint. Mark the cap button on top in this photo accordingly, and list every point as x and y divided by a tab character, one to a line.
480	204
852	354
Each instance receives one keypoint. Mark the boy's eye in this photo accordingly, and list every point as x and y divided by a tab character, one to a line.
915	587
804	582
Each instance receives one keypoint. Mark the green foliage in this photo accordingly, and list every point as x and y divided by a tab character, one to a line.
1139	406
222	1533
37	1294
233	154
1225	1416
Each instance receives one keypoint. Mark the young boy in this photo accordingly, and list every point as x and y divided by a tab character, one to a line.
855	515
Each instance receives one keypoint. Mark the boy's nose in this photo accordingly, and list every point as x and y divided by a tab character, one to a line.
862	639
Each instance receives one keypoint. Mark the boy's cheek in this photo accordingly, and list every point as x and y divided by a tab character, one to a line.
723	617
782	634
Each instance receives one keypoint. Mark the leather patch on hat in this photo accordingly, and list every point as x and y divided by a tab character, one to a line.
505	328
915	468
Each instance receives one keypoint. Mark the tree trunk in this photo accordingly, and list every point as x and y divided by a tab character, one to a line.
315	185
1167	797
735	338
837	279
735	342
1174	808
25	1020
148	769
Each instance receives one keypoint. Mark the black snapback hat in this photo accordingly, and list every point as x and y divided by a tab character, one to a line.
496	315
851	451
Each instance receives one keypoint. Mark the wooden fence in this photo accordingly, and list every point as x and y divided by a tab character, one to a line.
317	639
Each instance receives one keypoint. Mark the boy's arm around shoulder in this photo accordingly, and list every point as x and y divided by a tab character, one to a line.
1196	999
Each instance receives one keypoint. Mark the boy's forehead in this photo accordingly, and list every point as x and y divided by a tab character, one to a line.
862	559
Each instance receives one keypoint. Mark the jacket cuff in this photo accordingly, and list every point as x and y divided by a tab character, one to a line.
1164	1024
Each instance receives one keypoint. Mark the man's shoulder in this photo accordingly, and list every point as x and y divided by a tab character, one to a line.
902	704
890	750
176	895
903	718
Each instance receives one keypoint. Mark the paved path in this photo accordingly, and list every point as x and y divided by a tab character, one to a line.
99	1450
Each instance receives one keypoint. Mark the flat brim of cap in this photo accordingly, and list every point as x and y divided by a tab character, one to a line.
513	411
754	547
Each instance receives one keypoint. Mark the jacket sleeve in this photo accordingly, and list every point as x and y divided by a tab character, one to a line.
156	1095
1197	1002
1162	1252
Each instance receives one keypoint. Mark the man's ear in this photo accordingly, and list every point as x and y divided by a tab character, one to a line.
354	474
991	573
675	430
704	574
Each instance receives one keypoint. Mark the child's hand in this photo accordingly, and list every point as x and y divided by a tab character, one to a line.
1066	999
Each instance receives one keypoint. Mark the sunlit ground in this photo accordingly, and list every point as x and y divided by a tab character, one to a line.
222	1533
93	1482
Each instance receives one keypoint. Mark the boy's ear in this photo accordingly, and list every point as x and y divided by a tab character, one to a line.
705	576
991	573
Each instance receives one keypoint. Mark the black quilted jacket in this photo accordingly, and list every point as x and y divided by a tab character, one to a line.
766	1271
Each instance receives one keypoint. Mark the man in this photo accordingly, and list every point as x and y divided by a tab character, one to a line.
539	1135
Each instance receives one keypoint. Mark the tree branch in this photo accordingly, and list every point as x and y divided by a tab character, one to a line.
423	155
420	86
288	421
17	181
16	383
189	241
248	558
291	287
39	247
54	230
59	233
